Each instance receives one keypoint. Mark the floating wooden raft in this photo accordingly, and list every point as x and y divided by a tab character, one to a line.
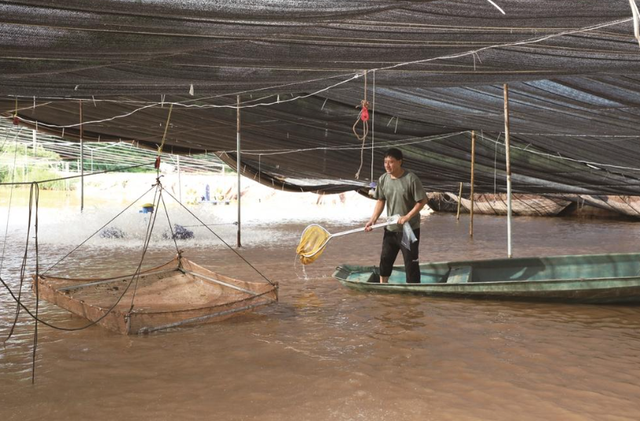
177	293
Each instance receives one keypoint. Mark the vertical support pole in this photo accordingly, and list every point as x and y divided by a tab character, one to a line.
66	174
81	161
238	167
35	143
373	126
508	166
473	166
459	201
179	182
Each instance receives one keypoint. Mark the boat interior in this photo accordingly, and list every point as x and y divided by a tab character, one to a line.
602	266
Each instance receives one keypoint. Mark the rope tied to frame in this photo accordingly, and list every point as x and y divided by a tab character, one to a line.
16	119
164	137
363	116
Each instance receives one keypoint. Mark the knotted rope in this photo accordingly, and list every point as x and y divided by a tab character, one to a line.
363	116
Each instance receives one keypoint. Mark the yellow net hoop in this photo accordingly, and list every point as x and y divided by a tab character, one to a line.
312	243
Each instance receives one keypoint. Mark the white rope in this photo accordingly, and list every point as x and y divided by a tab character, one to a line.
562	158
411	141
636	19
497	7
595	136
263	104
352	76
510	44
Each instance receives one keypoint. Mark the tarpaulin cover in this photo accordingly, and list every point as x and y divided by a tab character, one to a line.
434	71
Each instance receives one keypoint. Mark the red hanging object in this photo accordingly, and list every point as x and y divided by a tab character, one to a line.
364	116
16	120
157	164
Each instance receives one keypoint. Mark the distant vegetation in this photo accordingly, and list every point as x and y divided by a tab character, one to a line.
19	163
27	156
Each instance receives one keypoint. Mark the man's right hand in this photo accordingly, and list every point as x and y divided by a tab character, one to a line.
367	227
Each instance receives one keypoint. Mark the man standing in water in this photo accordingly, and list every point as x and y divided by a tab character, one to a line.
404	195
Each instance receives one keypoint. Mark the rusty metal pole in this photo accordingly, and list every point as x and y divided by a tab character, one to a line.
459	201
508	166
81	161
473	164
179	179
238	167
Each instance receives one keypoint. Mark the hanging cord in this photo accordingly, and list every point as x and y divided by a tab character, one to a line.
150	226
173	236
34	196
13	175
164	137
36	192
219	238
35	317
349	77
364	117
98	230
66	329
23	267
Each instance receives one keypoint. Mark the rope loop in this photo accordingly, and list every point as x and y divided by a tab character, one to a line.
363	116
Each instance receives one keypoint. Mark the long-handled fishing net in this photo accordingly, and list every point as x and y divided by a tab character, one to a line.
314	239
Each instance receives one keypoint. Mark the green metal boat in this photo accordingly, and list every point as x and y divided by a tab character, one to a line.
601	278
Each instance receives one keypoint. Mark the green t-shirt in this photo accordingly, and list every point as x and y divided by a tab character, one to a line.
401	195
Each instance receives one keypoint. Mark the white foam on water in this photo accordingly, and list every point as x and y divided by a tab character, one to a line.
68	226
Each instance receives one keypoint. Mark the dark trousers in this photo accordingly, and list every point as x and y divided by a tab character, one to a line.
391	244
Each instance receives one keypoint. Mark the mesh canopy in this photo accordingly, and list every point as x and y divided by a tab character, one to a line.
435	71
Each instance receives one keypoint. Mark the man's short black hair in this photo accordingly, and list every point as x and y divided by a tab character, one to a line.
394	153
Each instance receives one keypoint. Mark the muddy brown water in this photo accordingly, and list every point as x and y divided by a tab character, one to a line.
325	352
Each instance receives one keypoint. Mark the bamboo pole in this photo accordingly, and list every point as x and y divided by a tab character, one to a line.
473	165
238	166
459	200
508	166
81	161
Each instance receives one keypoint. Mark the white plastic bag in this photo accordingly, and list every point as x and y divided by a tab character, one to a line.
408	236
